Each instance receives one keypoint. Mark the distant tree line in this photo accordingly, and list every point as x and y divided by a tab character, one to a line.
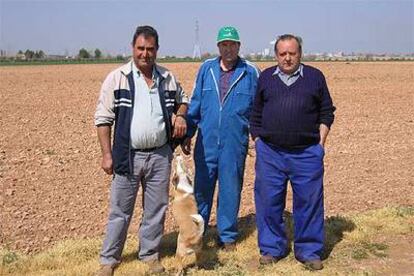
29	54
96	56
85	54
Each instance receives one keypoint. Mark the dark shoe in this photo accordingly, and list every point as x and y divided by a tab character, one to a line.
313	265
106	270
155	266
268	259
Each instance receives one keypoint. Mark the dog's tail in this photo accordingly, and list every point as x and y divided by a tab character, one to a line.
199	221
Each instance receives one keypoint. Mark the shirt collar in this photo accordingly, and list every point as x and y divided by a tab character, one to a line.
298	71
137	73
236	64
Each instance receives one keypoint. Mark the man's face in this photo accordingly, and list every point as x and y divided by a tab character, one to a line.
144	52
229	50
288	56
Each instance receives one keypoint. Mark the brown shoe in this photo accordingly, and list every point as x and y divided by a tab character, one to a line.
226	246
106	270
268	259
313	265
155	266
229	246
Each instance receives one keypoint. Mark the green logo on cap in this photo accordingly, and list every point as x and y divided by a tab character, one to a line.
228	33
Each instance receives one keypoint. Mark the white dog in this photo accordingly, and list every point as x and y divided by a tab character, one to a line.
190	223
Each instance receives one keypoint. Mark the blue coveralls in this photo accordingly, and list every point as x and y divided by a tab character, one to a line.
222	140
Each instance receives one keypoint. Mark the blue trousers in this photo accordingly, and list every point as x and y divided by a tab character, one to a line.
228	169
304	169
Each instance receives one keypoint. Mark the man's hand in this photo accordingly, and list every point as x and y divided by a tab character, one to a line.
186	146
104	137
323	132
180	126
107	163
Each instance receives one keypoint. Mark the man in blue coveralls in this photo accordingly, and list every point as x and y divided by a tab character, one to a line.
291	118
220	109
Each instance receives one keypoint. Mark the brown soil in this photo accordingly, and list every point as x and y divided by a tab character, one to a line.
52	187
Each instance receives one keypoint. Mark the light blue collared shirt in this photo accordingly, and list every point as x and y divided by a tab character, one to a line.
289	79
147	127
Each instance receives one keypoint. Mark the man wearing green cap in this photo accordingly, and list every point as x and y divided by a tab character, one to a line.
219	110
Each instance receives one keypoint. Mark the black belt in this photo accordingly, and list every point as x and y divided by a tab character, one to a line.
148	149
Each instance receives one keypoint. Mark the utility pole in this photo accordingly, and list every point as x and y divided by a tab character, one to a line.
197	49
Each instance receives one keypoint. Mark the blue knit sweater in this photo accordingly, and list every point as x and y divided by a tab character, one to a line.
289	116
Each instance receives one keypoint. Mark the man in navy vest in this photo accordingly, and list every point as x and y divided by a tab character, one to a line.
148	107
291	117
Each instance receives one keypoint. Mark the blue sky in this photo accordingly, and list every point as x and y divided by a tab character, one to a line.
325	26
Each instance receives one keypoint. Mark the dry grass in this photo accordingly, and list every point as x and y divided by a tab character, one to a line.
349	239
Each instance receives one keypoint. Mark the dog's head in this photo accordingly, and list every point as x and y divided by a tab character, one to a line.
181	179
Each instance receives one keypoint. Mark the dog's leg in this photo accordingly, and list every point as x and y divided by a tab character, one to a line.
180	266
179	255
199	222
199	258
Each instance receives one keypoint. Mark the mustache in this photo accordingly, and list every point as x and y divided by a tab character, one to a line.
146	59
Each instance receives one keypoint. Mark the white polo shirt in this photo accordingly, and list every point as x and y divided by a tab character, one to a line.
147	127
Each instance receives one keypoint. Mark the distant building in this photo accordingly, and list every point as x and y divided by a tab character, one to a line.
20	56
57	57
339	54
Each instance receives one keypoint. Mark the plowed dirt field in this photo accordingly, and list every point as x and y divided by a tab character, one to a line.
52	187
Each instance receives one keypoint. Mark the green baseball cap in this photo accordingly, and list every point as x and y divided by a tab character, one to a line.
228	33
